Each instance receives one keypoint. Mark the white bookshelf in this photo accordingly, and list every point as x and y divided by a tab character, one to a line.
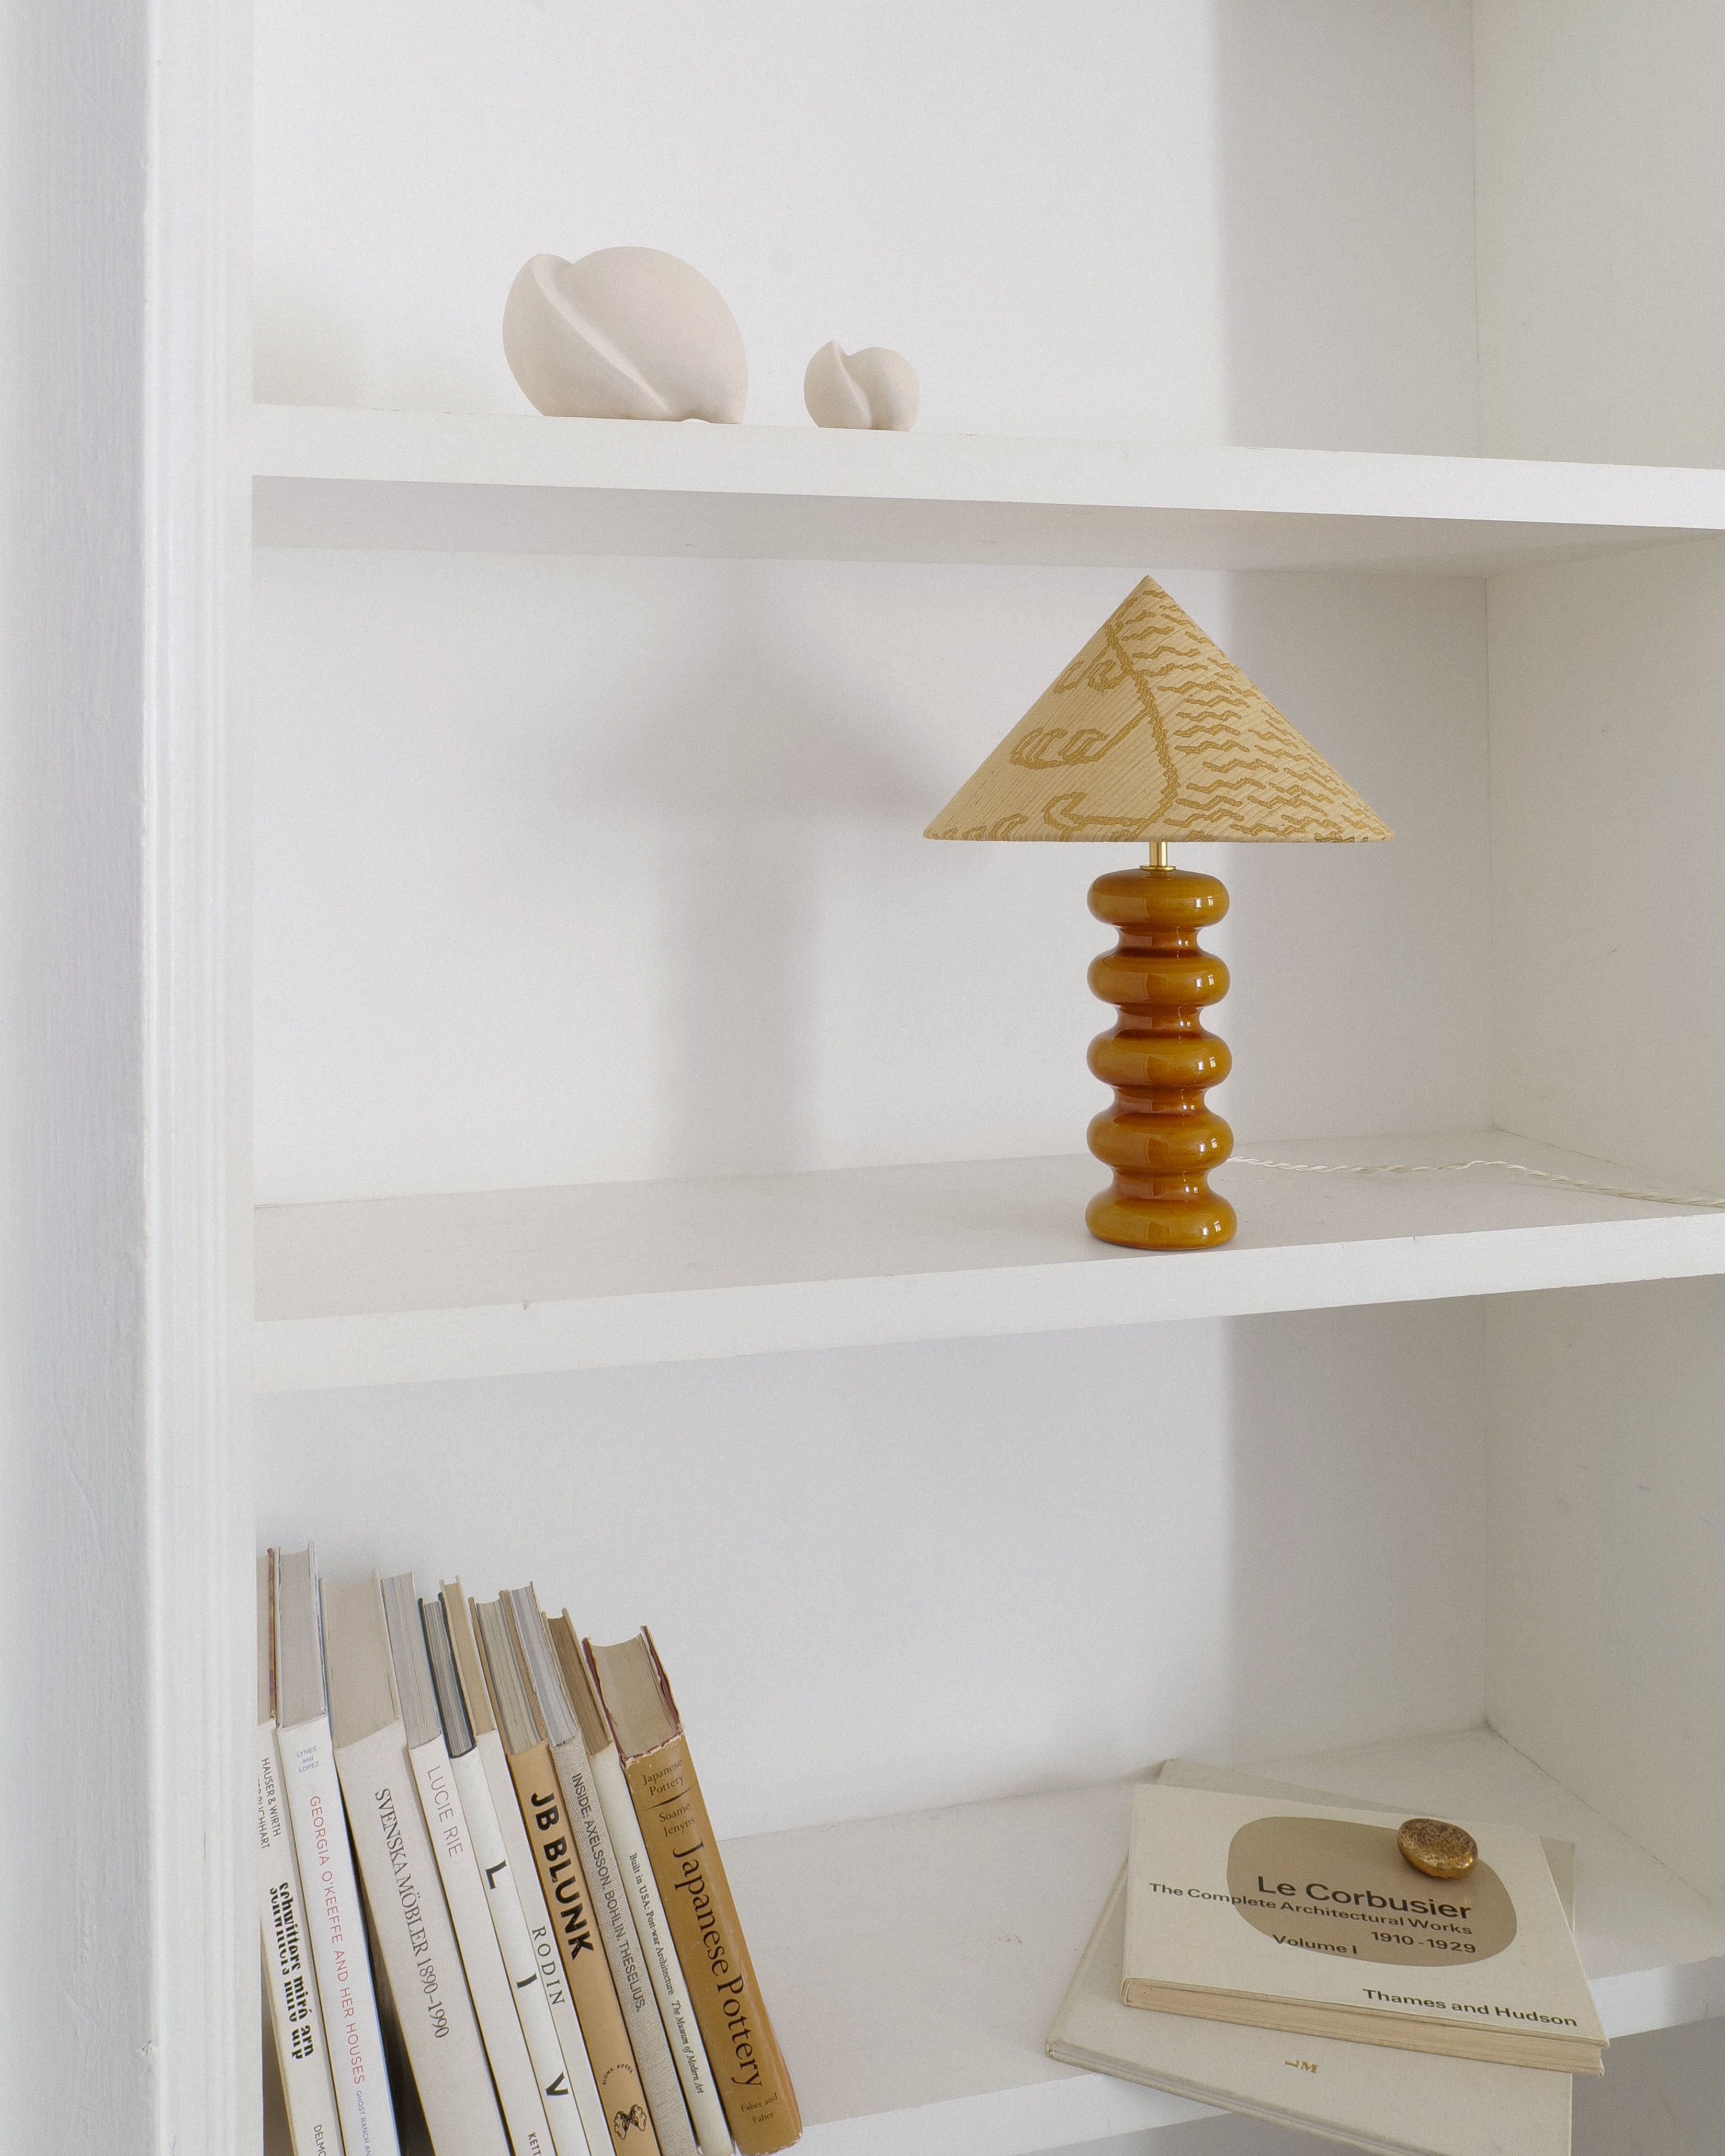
924	2037
499	483
1505	1391
407	1289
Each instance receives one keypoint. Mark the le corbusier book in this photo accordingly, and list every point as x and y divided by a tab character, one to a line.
568	1731
463	1891
625	2122
289	1981
754	2084
1392	2102
357	2065
412	1930
1307	1919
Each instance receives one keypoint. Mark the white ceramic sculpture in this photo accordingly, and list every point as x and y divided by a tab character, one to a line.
872	388
628	333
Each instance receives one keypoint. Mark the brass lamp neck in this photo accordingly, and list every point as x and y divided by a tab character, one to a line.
1158	854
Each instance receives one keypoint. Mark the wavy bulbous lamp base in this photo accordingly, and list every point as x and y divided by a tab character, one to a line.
1158	1137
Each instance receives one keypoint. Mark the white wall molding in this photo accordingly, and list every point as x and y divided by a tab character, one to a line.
197	510
128	1965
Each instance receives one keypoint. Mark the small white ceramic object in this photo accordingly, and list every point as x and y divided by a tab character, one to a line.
872	388
628	333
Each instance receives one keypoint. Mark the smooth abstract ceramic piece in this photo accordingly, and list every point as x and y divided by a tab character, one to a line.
628	333
872	388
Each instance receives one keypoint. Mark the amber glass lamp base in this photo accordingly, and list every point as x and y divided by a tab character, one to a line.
1158	1137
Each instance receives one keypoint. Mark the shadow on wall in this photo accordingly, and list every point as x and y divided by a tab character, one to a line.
749	765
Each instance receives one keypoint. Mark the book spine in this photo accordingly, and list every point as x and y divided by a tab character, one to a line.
520	1965
610	1907
416	1943
663	1968
628	2121
481	1957
754	2083
296	2014
589	2105
338	1940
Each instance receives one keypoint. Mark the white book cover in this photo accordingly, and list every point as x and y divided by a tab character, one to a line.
358	2066
505	1810
590	2104
509	1920
414	1937
296	2014
665	1971
481	1958
1393	2103
1300	1916
517	2087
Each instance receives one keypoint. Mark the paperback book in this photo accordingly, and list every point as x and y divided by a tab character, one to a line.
1307	1919
1392	2102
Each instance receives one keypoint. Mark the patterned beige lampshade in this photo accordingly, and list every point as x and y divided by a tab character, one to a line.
1153	733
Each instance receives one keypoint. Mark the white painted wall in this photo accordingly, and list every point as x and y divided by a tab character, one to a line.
1601	229
1607	1646
1607	774
1125	218
884	1578
573	871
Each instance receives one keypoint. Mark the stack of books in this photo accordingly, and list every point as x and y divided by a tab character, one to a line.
489	1888
1268	1949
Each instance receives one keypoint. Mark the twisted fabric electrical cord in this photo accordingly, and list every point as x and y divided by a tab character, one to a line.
1453	1166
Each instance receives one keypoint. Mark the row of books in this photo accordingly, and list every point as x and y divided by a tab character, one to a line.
1268	1949
484	1851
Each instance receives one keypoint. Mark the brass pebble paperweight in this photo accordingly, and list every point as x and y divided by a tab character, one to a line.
1435	1847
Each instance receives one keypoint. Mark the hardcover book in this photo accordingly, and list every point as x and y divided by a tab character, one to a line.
754	2083
1391	2102
664	1969
570	1734
289	1981
1307	1919
357	2064
414	1938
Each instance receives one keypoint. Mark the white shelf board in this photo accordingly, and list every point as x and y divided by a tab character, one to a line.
399	1290
521	484
913	1965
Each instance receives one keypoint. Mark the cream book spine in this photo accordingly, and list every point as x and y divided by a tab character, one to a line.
488	1986
338	1941
358	2065
481	1715
663	1968
573	1727
413	1932
589	2106
501	1901
494	2006
504	1902
296	2014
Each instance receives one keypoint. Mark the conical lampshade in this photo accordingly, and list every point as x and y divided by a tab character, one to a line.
1153	732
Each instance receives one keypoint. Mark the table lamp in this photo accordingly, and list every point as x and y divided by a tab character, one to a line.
1153	734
